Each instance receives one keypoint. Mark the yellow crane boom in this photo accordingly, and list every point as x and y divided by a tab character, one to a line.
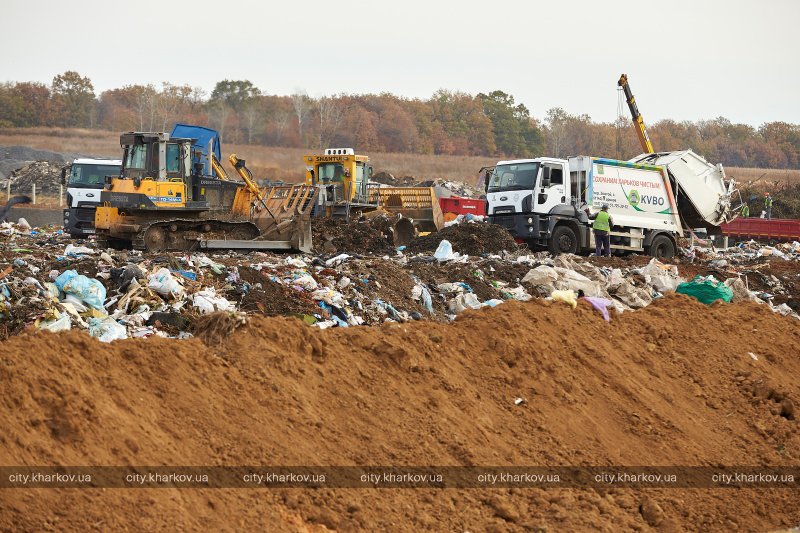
641	131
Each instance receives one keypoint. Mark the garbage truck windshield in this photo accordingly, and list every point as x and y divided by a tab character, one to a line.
88	175
513	177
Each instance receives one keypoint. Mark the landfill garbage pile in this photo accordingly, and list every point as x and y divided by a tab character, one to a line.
535	383
367	236
46	176
15	157
453	188
50	282
468	238
384	178
449	187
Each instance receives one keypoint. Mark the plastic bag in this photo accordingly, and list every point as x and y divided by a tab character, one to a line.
60	324
207	301
541	275
307	282
601	304
568	297
75	251
87	290
462	302
107	329
444	252
706	290
164	283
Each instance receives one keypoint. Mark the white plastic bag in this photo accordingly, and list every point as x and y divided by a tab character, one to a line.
207	301
164	283
107	329
444	252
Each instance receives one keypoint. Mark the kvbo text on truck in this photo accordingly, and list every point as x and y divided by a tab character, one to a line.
652	199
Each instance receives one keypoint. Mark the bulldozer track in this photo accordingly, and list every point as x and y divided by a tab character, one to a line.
185	235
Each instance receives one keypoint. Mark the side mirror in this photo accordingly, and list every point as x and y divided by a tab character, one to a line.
487	176
64	175
545	176
370	171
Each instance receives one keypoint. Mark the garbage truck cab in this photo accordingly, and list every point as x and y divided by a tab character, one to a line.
84	179
546	201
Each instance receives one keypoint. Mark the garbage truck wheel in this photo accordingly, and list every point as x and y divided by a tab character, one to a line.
563	241
662	247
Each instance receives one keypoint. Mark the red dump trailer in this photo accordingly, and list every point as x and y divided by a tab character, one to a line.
776	229
457	205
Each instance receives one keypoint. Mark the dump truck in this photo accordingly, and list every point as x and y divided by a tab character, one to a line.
652	199
84	179
346	191
168	198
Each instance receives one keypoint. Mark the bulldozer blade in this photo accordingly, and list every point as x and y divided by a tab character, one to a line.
419	204
284	215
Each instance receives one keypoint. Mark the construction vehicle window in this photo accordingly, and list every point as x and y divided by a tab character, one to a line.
173	158
136	156
328	172
556	176
360	178
517	177
91	174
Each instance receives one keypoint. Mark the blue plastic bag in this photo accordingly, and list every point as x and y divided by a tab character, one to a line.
90	291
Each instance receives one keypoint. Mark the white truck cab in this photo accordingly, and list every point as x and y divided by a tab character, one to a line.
85	179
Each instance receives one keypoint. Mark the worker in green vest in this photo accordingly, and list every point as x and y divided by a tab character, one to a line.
745	211
601	227
768	205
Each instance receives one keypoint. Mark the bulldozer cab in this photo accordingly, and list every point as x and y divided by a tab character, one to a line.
156	156
342	176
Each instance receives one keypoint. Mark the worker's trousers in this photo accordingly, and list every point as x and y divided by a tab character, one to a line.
769	213
602	243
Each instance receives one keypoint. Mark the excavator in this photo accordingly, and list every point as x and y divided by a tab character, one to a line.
172	194
641	131
343	178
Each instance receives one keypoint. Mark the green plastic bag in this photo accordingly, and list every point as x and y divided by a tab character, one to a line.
706	290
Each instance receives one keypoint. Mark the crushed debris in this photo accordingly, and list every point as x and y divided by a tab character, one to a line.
355	277
45	174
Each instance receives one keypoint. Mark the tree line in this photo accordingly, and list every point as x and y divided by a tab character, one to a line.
448	122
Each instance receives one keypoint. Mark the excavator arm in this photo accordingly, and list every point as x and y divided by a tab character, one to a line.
641	131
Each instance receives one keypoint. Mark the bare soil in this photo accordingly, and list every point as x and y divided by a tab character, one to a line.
671	384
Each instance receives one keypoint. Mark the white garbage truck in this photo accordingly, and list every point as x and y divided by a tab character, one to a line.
652	199
85	179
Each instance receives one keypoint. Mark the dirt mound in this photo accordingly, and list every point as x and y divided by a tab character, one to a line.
470	239
637	391
340	236
46	176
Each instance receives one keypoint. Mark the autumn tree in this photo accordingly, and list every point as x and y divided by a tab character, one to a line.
73	97
24	104
514	130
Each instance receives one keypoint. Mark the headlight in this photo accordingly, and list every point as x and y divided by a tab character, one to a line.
530	221
530	230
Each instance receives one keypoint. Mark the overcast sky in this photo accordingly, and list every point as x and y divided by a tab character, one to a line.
685	59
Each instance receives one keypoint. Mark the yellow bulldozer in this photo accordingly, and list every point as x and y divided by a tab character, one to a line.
346	191
172	194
